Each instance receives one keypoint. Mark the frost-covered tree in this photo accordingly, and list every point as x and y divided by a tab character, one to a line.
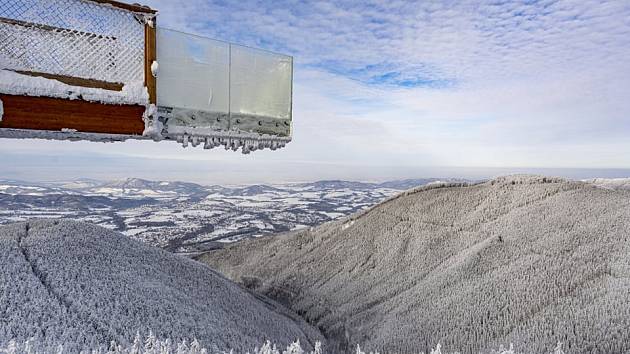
164	346
558	349
150	343
182	347
136	347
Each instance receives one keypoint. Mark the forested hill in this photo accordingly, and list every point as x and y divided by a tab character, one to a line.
84	286
526	260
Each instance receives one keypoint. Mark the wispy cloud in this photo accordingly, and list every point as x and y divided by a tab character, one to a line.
418	83
421	41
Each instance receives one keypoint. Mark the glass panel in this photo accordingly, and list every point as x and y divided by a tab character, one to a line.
207	86
260	83
193	72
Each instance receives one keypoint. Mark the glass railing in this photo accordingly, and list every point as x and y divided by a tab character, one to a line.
211	85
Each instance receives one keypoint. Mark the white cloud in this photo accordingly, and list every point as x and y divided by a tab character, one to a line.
529	83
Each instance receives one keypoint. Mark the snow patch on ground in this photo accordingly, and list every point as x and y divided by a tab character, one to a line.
332	215
611	183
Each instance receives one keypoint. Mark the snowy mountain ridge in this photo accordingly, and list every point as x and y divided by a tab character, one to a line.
526	260
191	218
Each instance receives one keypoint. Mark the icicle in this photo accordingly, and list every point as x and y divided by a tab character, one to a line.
230	140
208	144
1	110
235	144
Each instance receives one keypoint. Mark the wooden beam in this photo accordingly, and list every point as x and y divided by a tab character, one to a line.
125	6
44	113
76	81
150	55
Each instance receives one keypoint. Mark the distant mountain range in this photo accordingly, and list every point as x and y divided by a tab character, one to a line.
191	218
188	217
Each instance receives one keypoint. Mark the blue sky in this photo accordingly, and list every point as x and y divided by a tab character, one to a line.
409	86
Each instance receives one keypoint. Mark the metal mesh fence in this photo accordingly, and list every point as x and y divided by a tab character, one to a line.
76	38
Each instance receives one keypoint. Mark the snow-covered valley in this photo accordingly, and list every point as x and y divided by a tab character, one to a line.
191	218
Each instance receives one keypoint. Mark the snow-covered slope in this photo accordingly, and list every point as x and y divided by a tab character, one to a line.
83	285
526	260
611	183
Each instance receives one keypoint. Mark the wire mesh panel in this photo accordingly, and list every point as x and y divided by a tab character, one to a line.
75	38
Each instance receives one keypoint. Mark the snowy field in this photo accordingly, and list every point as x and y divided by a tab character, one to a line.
190	218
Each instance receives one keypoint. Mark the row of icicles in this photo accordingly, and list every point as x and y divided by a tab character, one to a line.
247	144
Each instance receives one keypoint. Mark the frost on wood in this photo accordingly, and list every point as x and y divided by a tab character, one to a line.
136	93
152	125
148	19
528	260
12	83
66	134
83	286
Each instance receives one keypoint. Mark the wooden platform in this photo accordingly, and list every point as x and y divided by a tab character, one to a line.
54	114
